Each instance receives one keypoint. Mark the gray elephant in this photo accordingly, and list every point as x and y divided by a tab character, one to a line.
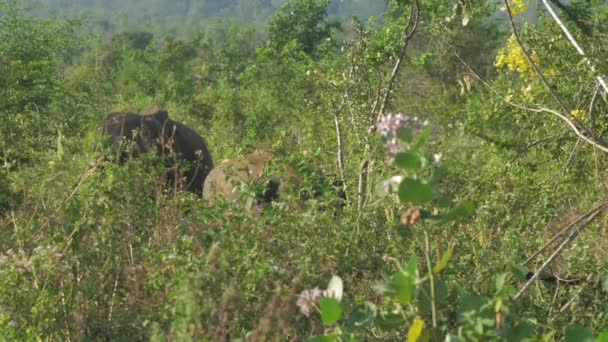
134	134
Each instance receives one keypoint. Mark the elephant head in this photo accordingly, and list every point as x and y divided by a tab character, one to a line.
224	180
134	134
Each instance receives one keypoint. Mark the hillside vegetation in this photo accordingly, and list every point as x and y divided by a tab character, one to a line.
450	160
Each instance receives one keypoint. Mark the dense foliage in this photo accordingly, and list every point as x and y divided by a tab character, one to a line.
465	138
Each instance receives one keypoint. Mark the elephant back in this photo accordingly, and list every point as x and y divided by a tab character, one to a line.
223	181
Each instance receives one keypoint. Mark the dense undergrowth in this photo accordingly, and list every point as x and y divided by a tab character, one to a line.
91	250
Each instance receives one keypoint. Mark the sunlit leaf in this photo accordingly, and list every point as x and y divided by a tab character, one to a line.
415	331
408	161
402	287
444	261
603	337
331	310
414	191
424	137
500	281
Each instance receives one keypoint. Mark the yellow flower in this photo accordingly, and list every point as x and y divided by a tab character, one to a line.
577	114
517	6
514	59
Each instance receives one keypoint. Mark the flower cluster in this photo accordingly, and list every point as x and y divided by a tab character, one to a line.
514	59
517	6
389	126
308	299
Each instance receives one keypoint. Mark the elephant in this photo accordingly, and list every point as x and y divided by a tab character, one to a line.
223	181
153	130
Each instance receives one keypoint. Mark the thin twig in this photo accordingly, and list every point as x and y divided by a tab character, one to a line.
559	249
415	13
565	306
598	144
529	58
561	232
600	79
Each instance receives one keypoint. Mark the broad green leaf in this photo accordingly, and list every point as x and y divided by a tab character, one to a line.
412	267
408	161
412	190
603	337
415	331
336	287
519	272
331	310
424	137
500	281
402	287
444	261
577	333
406	134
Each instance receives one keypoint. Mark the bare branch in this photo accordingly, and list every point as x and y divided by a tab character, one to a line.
575	232
564	230
415	15
575	126
600	79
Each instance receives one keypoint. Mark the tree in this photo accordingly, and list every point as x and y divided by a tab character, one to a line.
303	21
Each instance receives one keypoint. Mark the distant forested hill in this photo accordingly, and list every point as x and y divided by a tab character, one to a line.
180	16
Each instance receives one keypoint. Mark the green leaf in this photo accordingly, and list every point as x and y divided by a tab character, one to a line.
402	287
500	281
408	161
603	337
329	338
519	272
412	267
444	261
406	134
519	332
577	333
331	310
414	191
424	137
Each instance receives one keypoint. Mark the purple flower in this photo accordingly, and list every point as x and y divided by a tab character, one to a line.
391	123
307	300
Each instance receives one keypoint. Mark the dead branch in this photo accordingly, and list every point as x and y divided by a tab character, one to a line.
600	80
561	232
575	232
